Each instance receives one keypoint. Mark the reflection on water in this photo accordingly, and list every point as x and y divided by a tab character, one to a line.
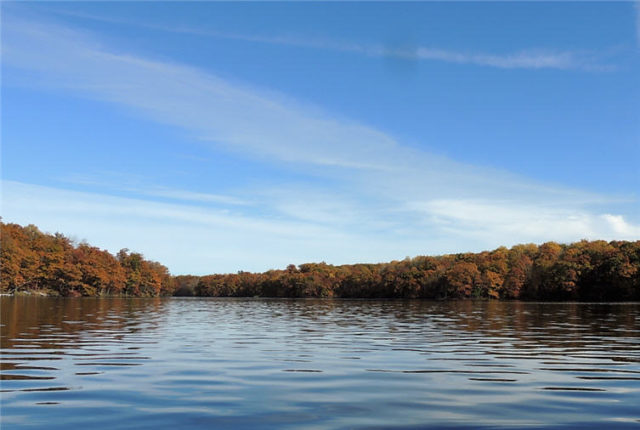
227	363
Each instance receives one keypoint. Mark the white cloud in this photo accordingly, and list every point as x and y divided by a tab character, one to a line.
619	227
258	123
190	239
523	59
201	240
213	109
177	194
136	184
359	212
508	223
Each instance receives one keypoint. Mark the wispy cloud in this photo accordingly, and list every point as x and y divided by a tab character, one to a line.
135	184
486	218
212	109
178	194
360	212
189	239
525	59
237	117
532	58
201	240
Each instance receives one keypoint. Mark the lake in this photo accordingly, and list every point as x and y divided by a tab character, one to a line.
116	363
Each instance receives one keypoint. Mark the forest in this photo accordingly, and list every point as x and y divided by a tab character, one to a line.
33	261
51	264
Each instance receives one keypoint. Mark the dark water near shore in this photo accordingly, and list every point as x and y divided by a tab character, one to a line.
226	363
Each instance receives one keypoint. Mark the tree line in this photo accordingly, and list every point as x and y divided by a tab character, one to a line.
52	264
585	270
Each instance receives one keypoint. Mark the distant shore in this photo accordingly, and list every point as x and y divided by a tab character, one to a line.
41	264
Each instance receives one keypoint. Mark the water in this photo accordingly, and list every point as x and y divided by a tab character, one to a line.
252	363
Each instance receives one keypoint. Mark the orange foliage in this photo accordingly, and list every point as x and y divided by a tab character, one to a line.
598	270
35	261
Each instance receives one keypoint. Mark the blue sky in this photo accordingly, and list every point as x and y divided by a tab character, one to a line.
217	137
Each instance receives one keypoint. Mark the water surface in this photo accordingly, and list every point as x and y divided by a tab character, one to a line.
256	363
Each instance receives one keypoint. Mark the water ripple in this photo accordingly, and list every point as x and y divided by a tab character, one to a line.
260	363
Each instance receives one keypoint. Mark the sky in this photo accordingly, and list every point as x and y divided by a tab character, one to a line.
219	137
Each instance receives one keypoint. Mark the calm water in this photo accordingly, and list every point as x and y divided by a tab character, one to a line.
226	363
